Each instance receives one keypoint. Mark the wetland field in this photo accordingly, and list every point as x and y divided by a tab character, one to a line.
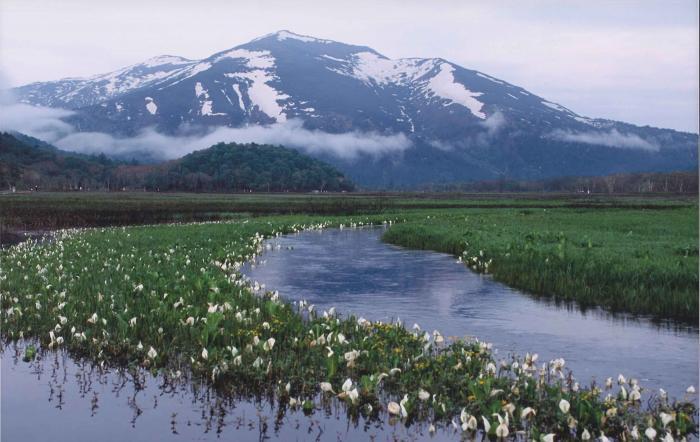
338	317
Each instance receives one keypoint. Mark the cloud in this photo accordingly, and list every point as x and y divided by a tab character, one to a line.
40	122
492	125
613	138
47	124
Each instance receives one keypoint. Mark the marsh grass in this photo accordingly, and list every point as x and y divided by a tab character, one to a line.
637	261
171	299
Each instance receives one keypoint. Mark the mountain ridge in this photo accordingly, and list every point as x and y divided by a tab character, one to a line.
481	126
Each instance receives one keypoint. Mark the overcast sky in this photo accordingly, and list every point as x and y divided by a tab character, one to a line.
635	61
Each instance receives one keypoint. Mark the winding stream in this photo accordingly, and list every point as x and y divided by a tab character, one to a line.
354	271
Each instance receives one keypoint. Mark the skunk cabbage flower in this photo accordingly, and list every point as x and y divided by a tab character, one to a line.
394	408
152	353
487	425
666	418
527	413
564	406
353	395
650	433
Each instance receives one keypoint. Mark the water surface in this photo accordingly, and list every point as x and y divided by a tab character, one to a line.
354	271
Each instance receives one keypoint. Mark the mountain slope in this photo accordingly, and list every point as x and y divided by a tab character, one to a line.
462	124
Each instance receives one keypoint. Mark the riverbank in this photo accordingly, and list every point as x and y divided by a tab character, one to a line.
624	260
161	297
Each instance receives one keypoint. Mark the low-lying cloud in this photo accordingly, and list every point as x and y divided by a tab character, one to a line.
613	138
491	127
47	124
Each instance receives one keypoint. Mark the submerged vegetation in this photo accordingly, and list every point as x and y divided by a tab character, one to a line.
171	298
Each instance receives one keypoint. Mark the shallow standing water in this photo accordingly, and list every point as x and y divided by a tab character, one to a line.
354	271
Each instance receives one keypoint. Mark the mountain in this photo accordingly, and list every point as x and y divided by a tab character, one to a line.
459	124
27	163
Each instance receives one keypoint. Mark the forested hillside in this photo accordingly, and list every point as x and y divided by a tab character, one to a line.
27	163
241	167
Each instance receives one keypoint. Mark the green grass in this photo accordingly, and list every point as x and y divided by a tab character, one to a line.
625	260
83	209
170	298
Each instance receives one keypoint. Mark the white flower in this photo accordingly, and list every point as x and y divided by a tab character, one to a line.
502	430
326	387
650	433
690	390
423	395
152	353
394	408
548	438
635	395
668	438
666	418
402	404
330	351
347	385
267	346
634	434
487	425
490	368
205	354
92	319
585	435
564	406
132	321
471	423
527	412
353	395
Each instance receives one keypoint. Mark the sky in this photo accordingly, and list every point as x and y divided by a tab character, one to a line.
634	61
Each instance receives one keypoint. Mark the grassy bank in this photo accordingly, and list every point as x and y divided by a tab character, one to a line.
171	298
638	261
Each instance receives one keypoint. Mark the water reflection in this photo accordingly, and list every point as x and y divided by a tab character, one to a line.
354	271
59	398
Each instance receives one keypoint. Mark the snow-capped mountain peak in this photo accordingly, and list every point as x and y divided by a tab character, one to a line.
336	87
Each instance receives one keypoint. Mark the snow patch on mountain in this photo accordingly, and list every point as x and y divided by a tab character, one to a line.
445	86
284	35
206	103
488	77
151	106
237	89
